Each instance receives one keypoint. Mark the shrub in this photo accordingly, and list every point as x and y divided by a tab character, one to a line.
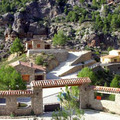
39	60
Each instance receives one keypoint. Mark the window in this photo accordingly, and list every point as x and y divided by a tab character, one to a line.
47	46
38	45
26	78
30	46
2	101
115	60
103	96
118	68
39	77
23	102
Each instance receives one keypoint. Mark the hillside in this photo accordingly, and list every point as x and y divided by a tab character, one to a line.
87	24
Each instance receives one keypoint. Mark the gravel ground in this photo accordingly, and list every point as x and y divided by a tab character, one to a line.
89	115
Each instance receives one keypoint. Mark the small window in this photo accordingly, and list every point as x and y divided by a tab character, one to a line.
102	96
47	46
23	102
2	101
30	46
39	77
26	78
115	60
118	68
38	45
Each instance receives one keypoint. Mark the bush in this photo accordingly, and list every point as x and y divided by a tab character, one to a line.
60	38
39	60
112	97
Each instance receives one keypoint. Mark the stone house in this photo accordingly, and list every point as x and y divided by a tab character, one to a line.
113	57
37	44
30	71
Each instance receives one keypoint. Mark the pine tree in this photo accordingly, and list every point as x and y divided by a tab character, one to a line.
17	46
115	82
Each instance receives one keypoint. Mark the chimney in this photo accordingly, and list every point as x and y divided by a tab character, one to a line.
31	64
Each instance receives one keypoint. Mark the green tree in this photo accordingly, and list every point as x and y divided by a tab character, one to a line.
39	60
17	46
115	82
105	84
94	3
69	99
87	72
60	38
10	79
82	1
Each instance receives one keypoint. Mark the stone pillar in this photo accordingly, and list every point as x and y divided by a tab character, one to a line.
117	99
44	75
11	105
84	96
37	101
33	45
26	46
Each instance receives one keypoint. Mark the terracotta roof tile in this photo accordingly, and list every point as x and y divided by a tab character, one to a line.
106	89
109	56
39	67
60	82
16	92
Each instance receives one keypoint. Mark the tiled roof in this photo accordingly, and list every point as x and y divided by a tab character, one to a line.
106	89
39	67
60	82
115	50
109	56
16	92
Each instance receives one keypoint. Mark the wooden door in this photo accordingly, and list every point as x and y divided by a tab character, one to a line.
26	78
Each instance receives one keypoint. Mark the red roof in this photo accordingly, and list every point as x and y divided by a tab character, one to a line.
31	65
60	82
16	92
106	89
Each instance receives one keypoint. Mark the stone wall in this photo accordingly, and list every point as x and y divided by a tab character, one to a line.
113	67
11	106
111	106
60	54
24	70
78	67
84	57
88	100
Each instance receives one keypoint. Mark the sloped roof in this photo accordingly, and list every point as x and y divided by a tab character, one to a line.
109	56
106	89
115	50
60	82
31	65
16	92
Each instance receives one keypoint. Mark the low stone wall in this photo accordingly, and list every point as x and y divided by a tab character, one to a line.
111	106
113	67
84	57
78	67
60	54
11	106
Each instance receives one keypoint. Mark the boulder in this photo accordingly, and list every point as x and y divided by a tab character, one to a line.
21	23
37	29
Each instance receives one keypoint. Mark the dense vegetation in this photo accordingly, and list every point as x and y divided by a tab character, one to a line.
17	46
60	38
106	21
101	77
69	99
10	79
12	5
